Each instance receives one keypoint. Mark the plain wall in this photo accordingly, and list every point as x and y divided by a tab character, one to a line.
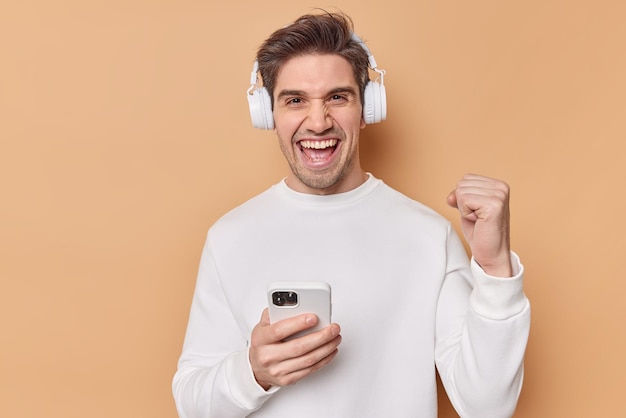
124	134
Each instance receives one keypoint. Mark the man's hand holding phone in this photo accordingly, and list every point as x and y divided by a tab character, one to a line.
278	360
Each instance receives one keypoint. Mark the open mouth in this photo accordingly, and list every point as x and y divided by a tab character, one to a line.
318	151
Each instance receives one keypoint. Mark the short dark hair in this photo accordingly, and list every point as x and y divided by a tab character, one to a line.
327	33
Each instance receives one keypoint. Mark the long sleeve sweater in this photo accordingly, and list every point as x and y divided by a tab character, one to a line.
408	300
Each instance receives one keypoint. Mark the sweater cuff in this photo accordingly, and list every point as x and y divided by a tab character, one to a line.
243	386
496	297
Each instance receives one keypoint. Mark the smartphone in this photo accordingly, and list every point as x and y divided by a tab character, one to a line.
287	299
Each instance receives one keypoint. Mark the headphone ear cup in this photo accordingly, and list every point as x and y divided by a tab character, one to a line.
374	103
260	106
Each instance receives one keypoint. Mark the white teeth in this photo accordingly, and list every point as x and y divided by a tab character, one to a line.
319	144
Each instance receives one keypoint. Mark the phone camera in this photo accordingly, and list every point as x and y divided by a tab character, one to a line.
285	298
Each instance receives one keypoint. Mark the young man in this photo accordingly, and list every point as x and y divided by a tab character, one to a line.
406	296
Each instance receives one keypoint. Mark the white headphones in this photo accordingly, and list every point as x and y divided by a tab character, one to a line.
374	98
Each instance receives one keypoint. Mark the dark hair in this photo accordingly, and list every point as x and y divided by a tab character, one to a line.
328	33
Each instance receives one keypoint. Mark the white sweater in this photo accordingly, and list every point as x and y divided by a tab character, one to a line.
404	293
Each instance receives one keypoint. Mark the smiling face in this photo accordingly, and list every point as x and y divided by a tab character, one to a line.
318	118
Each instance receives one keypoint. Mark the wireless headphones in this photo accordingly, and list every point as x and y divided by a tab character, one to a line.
374	97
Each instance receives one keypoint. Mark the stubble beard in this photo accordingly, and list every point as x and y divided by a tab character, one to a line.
323	179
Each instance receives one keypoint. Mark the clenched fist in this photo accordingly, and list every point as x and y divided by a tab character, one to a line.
483	203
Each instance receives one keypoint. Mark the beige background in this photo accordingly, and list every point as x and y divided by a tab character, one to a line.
125	134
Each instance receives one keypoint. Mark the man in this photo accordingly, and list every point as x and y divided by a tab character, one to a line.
408	300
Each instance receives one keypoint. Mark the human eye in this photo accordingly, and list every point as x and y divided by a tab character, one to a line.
294	101
291	99
340	98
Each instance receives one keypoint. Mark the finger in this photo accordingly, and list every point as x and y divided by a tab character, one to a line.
310	342
484	200
461	204
286	362
482	192
310	349
261	332
299	374
478	178
464	203
451	199
293	369
469	184
482	185
287	327
265	317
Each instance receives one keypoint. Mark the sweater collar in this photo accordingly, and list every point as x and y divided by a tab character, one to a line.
338	199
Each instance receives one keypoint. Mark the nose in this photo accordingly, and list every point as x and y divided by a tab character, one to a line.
318	118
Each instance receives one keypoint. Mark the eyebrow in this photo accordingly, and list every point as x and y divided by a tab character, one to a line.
336	90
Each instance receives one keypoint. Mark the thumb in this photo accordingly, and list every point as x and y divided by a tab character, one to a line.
465	211
265	317
451	199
